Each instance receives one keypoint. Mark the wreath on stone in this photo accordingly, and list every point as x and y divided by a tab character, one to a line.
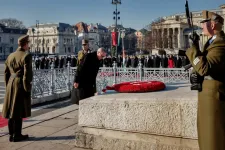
137	87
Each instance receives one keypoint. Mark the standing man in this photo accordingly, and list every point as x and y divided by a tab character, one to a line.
210	67
85	78
18	78
82	53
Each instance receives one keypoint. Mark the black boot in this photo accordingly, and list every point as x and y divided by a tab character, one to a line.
11	129
18	129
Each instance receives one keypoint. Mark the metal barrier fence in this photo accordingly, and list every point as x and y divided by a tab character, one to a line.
50	81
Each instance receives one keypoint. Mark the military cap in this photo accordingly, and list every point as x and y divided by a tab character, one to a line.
211	16
23	39
84	42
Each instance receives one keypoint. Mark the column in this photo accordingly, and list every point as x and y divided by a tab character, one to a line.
180	38
163	38
168	37
173	38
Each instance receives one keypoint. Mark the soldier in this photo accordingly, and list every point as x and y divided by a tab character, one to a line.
164	62
82	53
73	61
18	78
37	63
47	62
146	65
210	66
128	62
61	62
56	62
42	63
177	62
184	61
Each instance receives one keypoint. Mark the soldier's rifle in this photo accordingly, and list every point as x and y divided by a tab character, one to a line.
195	85
190	23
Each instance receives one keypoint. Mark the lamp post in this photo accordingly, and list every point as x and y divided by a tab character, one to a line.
116	13
37	26
33	46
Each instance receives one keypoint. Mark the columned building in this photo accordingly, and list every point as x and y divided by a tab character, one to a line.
56	39
9	40
172	33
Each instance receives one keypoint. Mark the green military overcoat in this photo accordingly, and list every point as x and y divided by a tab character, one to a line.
18	78
211	100
81	56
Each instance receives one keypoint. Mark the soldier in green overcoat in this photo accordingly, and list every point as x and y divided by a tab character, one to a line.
18	78
210	65
82	53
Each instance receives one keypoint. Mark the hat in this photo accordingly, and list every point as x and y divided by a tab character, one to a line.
84	42
23	39
207	16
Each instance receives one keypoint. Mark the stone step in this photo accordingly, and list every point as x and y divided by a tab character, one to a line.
101	139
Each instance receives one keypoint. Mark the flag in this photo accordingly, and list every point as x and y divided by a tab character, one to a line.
119	38
114	38
124	58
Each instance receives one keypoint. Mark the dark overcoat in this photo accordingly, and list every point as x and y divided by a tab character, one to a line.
85	76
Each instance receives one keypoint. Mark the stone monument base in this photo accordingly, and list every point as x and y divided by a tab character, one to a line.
164	120
102	139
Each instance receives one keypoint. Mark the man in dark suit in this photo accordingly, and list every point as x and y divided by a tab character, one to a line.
164	62
85	78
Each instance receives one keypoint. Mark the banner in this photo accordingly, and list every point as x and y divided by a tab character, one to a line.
124	58
119	37
114	38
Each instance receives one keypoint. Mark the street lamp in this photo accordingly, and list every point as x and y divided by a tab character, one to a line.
37	26
33	46
116	13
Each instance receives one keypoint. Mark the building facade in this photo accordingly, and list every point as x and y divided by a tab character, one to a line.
9	40
81	31
172	34
56	39
99	36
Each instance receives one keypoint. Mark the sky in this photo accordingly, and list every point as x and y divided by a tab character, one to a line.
133	13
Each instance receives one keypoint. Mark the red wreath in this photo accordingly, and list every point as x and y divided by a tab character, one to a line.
137	87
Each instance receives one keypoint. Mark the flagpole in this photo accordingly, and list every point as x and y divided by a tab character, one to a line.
116	13
123	35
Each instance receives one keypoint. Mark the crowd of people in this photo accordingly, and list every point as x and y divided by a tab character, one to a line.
153	61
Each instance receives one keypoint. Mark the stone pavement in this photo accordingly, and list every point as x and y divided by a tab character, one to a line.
51	131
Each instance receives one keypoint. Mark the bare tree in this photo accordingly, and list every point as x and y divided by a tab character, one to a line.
14	23
156	38
149	42
130	41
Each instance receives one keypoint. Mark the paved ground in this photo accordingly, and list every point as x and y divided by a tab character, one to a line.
51	131
2	91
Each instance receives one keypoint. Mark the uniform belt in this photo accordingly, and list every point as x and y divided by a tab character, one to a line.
14	75
208	78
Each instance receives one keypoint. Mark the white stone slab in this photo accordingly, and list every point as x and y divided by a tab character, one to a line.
171	112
